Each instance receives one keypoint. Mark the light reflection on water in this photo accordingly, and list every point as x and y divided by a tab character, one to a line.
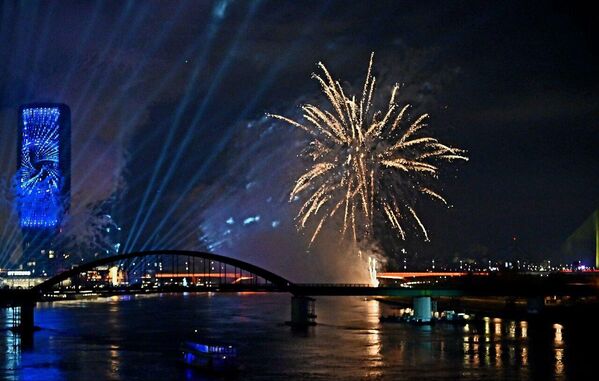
524	329
558	342
374	340
10	344
138	338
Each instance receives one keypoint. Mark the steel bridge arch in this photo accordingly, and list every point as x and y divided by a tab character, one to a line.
277	280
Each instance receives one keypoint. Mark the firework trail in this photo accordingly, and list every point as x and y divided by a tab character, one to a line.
365	161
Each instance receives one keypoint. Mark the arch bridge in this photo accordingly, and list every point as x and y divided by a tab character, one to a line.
184	270
167	268
145	271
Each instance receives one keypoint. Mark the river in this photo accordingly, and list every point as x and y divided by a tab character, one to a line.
137	338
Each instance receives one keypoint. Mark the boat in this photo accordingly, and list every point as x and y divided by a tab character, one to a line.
415	321
405	318
455	318
215	357
392	319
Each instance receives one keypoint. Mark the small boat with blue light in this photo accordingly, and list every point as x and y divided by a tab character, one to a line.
455	318
392	319
213	357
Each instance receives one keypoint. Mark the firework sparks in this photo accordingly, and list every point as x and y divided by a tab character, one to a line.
365	162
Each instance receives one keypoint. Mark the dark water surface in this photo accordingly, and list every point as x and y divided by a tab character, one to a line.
137	338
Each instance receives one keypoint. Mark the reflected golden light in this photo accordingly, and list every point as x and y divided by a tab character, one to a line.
476	358
471	356
466	348
498	354
558	339
114	361
524	356
373	345
559	351
512	330
497	326
524	329
559	362
246	293
487	353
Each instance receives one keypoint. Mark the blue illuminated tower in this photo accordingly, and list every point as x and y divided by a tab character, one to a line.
43	179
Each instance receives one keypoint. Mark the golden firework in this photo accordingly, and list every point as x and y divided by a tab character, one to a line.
364	161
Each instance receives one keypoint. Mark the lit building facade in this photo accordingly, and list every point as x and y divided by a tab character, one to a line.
43	179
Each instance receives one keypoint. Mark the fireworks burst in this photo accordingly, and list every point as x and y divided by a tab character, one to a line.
365	161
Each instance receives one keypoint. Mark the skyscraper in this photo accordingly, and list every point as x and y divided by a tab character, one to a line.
43	178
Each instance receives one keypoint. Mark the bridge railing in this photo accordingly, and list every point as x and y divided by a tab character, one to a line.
344	285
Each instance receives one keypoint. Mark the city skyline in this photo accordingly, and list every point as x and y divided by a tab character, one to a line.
299	190
168	110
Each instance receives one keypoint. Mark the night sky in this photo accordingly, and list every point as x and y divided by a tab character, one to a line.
514	83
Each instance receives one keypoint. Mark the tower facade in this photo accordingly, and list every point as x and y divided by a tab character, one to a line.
43	180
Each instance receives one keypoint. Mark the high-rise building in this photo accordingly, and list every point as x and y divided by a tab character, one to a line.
43	178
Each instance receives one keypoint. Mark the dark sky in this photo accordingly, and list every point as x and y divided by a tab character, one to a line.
515	83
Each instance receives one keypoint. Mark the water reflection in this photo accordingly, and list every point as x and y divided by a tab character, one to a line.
508	345
559	362
524	356
10	343
373	346
524	329
117	339
512	329
558	342
115	361
558	339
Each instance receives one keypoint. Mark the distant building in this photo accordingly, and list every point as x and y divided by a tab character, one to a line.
43	180
19	279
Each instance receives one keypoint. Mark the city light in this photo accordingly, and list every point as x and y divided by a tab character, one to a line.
292	190
40	178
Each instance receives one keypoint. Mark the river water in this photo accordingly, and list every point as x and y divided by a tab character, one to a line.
137	338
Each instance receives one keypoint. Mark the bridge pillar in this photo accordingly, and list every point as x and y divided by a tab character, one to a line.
303	311
25	323
422	309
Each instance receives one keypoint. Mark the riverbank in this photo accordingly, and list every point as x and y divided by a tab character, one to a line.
516	309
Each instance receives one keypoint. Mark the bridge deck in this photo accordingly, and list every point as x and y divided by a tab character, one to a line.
226	274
